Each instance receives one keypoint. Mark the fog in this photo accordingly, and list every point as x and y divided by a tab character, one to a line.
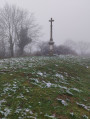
72	18
71	26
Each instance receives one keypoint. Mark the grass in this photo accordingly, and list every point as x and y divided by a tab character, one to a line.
36	87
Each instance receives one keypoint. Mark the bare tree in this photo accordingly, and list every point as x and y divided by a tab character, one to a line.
2	48
43	47
23	40
13	23
64	50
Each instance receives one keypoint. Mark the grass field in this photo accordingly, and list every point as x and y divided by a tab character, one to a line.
45	88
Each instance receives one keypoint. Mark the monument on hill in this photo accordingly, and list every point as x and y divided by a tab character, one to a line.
51	43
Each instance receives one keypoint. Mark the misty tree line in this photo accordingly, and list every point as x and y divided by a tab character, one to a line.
58	50
69	47
17	29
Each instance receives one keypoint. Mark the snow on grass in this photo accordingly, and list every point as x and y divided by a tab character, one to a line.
62	102
44	84
84	106
48	116
59	76
48	85
5	112
40	78
24	112
63	82
68	92
20	96
2	101
10	87
75	89
29	117
85	117
18	110
40	73
71	113
34	80
27	90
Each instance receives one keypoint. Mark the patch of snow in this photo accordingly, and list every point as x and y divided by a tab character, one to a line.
52	117
11	74
64	82
20	96
87	67
2	101
18	110
85	100
75	89
6	112
63	87
29	117
62	101
28	110
85	117
56	65
40	73
84	106
48	85
27	90
33	79
72	114
66	73
60	76
10	88
68	92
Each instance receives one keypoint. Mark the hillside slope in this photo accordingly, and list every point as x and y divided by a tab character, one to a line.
45	88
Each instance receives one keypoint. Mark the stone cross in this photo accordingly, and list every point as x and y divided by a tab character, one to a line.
51	20
51	43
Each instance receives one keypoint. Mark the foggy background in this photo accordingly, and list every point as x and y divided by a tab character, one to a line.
72	17
71	28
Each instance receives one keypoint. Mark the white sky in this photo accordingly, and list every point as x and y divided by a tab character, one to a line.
72	17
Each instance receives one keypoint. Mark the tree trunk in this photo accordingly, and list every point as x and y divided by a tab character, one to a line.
21	51
11	47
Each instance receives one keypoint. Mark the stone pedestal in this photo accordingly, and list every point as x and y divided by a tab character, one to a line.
51	48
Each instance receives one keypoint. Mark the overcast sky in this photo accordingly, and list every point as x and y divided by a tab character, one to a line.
72	17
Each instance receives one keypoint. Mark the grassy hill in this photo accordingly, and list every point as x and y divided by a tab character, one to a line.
45	88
